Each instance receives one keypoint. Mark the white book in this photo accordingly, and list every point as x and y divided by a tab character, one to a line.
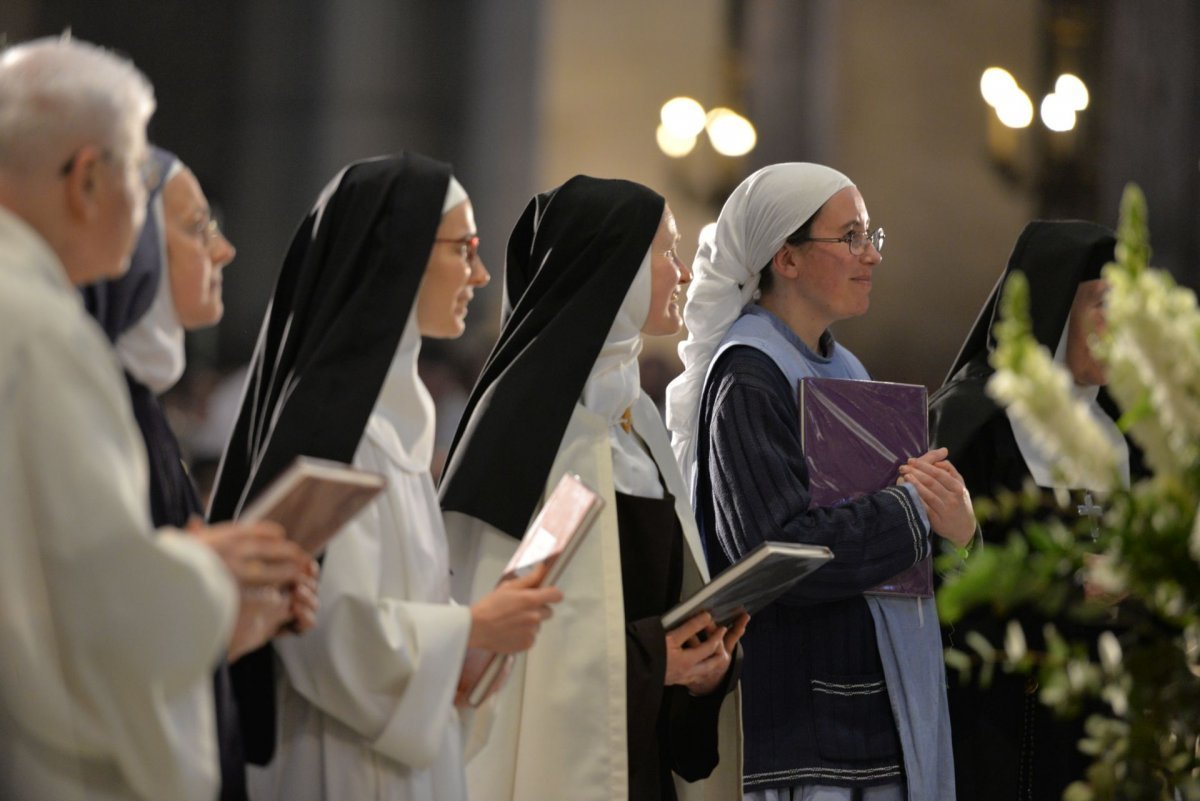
553	537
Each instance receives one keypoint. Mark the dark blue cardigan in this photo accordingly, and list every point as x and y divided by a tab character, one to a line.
815	705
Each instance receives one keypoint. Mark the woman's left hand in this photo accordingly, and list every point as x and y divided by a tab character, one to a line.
944	494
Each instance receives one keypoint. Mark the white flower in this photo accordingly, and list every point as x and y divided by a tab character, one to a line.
1037	391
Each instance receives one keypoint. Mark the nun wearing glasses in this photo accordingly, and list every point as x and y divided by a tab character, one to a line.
844	693
363	706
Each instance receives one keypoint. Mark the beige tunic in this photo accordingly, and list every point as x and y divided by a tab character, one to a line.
558	730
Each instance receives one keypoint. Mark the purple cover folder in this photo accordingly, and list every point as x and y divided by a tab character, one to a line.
855	435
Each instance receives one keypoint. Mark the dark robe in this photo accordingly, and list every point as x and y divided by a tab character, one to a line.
1008	745
670	730
117	306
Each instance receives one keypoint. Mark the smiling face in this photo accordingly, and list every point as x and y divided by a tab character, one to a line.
823	282
453	271
667	276
197	252
1087	320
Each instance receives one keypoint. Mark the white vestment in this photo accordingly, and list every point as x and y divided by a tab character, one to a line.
366	699
558	729
110	634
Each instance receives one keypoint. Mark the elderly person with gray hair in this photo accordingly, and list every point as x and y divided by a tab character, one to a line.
110	634
844	694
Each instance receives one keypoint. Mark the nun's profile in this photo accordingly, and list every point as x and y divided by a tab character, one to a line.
366	700
1007	742
608	705
173	285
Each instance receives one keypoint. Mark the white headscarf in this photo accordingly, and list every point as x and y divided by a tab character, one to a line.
757	218
152	350
404	401
615	383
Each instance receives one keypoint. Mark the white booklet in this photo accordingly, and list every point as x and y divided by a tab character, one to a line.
313	499
750	583
553	537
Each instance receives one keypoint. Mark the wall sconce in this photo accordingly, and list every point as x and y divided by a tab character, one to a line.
683	119
1014	111
730	134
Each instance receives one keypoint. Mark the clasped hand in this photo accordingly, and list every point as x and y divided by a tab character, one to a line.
944	494
701	664
277	580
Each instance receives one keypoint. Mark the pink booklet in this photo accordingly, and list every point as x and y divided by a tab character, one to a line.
855	435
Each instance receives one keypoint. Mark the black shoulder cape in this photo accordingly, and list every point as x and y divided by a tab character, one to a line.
571	260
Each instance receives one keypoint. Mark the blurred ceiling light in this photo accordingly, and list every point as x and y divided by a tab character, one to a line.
997	85
731	133
682	117
1072	91
674	146
1057	114
1016	109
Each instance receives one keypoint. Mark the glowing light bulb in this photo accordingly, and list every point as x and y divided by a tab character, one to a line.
674	146
1072	91
997	85
1057	115
731	133
1016	110
682	117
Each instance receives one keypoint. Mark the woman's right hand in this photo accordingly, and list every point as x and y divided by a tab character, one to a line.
507	619
700	665
276	579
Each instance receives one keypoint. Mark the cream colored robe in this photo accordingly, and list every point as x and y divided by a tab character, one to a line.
108	633
557	730
366	698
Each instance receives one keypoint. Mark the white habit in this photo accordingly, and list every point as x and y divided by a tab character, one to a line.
110	634
366	699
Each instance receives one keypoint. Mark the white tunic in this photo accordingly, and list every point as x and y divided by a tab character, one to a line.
110	634
366	698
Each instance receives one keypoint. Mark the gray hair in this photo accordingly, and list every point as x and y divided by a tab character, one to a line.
60	93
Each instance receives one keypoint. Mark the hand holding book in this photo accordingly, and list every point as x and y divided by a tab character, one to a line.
545	551
507	619
699	652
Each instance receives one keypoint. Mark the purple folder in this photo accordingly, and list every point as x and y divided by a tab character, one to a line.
855	435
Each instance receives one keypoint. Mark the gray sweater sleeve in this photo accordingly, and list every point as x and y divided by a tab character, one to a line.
758	484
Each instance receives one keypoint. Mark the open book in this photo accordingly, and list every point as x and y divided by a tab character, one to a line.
751	583
855	435
313	498
553	537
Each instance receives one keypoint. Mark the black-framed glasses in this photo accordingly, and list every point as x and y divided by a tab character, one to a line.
855	240
468	246
149	170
